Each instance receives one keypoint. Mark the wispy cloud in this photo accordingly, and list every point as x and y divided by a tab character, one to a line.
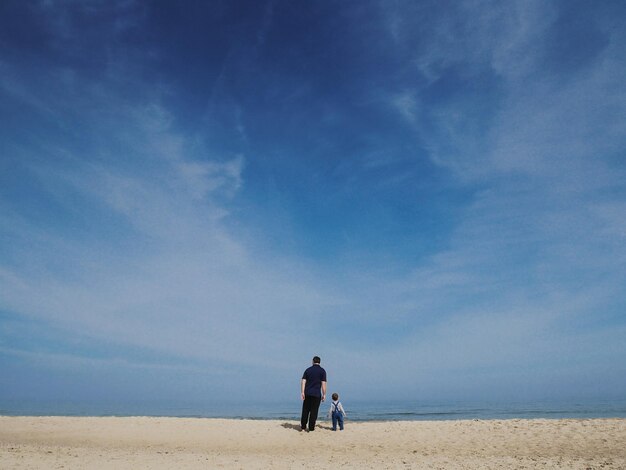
165	272
129	227
525	260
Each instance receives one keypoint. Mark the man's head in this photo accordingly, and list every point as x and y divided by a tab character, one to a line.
316	360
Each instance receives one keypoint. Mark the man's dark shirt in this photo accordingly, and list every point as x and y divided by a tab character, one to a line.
314	377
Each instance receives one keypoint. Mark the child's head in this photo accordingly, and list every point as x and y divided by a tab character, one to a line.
335	396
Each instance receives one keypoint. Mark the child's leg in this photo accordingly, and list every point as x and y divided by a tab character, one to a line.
334	422
340	419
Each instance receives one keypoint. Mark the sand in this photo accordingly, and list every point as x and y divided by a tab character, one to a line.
155	443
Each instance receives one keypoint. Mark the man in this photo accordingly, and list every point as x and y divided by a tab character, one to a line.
313	391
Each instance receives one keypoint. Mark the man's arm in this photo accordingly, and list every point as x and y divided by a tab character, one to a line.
323	391
302	385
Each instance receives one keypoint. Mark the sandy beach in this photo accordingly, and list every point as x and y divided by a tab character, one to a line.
135	442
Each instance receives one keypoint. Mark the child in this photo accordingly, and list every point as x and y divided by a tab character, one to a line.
337	412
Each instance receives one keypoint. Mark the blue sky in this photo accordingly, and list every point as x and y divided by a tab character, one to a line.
197	197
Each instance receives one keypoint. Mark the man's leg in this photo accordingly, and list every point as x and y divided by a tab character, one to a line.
315	406
306	409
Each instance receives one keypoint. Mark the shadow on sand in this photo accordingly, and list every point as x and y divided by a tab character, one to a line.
296	427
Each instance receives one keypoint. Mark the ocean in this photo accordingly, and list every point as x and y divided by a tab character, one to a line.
357	410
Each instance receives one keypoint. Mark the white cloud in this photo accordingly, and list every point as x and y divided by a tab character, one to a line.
405	103
159	266
205	178
155	256
535	265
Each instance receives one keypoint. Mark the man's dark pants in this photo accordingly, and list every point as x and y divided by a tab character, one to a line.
310	408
